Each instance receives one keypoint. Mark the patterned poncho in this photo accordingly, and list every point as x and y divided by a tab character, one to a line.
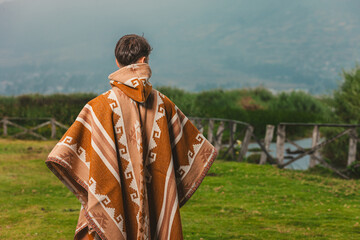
132	158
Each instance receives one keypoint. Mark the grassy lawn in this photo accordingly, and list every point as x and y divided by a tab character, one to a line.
236	201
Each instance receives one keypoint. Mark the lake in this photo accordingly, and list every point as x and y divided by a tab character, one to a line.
301	164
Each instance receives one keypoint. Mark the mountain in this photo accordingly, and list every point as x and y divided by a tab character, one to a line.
49	46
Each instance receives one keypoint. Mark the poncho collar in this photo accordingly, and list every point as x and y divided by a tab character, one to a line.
133	80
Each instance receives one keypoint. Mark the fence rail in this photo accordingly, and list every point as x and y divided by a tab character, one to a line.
316	145
9	121
214	129
219	126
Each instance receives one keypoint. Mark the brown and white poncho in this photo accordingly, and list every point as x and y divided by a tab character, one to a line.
132	158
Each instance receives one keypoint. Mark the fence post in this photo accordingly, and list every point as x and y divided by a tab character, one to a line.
245	143
232	129
199	125
352	147
210	131
5	132
315	139
280	143
268	138
53	128
219	134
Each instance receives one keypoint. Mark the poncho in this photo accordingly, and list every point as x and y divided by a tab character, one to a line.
132	158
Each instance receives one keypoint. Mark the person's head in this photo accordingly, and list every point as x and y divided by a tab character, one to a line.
132	49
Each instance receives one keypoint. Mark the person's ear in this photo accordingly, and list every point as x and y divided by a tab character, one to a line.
142	60
117	63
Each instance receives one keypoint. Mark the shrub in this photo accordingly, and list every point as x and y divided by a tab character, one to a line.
346	104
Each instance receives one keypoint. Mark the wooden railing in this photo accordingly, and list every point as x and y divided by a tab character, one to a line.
316	145
215	132
214	129
237	130
11	121
281	139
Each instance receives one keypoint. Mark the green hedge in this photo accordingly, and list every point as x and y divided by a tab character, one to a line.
256	106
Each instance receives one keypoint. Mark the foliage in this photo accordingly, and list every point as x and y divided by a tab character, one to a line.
347	97
297	101
235	201
63	107
184	100
257	106
337	151
354	169
262	94
253	158
346	103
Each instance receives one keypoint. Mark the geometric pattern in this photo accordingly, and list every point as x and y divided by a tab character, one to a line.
132	159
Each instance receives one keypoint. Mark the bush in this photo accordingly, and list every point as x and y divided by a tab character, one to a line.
301	102
253	158
354	169
184	100
347	110
337	151
347	97
63	107
257	106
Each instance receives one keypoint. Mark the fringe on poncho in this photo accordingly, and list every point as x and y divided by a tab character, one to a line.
132	158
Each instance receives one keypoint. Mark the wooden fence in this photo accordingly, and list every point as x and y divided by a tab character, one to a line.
11	121
236	130
281	139
214	129
350	130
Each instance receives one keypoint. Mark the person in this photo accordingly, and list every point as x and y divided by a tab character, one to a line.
131	157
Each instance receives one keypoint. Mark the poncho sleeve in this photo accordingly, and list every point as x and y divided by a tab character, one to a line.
192	153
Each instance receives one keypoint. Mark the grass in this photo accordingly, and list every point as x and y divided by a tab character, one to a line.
235	201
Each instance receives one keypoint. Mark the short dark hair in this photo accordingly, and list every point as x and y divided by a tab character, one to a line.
130	48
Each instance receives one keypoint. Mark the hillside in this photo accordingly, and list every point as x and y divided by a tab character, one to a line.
62	46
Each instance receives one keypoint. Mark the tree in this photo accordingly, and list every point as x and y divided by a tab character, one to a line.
346	103
347	97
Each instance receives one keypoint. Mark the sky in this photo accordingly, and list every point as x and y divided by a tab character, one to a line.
49	46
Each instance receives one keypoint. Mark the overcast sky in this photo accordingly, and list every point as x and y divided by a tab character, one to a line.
200	44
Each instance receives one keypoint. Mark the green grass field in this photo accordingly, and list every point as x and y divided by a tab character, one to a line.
235	201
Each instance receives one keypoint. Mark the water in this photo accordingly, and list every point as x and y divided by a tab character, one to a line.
300	164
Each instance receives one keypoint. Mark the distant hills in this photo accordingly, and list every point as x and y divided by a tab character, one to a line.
67	46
